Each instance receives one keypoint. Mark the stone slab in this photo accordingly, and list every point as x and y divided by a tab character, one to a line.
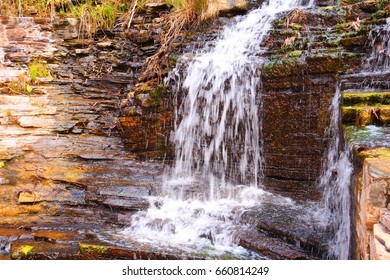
377	250
382	234
385	218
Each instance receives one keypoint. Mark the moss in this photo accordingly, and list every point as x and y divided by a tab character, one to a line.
22	252
295	53
38	70
92	249
26	249
368	98
2	164
381	153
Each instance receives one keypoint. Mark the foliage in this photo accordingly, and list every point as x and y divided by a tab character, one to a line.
38	70
94	15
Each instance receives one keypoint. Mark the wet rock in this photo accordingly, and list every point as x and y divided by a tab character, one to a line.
42	251
130	203
272	248
126	191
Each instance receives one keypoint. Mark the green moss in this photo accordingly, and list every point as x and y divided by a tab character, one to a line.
22	252
227	256
295	53
92	249
38	70
26	249
2	164
157	93
366	98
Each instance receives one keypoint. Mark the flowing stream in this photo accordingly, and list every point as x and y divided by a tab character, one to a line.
379	43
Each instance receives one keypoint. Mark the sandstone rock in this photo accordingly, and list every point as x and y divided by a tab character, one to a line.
37	122
27	197
72	21
385	218
83	51
371	194
382	235
226	7
105	44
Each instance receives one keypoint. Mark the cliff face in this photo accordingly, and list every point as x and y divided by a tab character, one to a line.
309	50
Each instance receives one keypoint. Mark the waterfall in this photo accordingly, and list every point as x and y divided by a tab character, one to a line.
379	43
218	143
336	181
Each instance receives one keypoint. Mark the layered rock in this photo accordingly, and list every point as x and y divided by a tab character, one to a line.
61	154
372	202
307	53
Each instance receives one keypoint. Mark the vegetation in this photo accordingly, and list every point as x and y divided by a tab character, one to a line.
38	70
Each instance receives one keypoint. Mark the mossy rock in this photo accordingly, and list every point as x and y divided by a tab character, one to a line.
22	252
92	249
365	115
381	153
357	115
368	98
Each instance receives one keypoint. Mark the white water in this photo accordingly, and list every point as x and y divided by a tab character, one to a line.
218	168
336	181
379	38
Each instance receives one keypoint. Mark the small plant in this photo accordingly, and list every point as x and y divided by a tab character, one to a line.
38	70
20	86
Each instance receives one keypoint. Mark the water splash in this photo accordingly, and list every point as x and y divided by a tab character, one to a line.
218	132
218	142
336	181
379	43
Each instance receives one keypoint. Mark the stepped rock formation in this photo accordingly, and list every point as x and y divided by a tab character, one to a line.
70	143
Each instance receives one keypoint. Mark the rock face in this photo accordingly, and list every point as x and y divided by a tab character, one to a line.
307	54
372	192
61	154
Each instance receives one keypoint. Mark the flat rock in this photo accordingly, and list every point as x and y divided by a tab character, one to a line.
28	197
128	203
272	248
37	122
126	191
382	234
378	250
385	218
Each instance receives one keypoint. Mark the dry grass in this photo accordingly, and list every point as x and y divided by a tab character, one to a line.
177	22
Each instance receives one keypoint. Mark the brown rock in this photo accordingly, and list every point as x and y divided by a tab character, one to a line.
27	197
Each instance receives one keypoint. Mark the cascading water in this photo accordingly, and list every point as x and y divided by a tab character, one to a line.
336	181
379	43
218	142
337	169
